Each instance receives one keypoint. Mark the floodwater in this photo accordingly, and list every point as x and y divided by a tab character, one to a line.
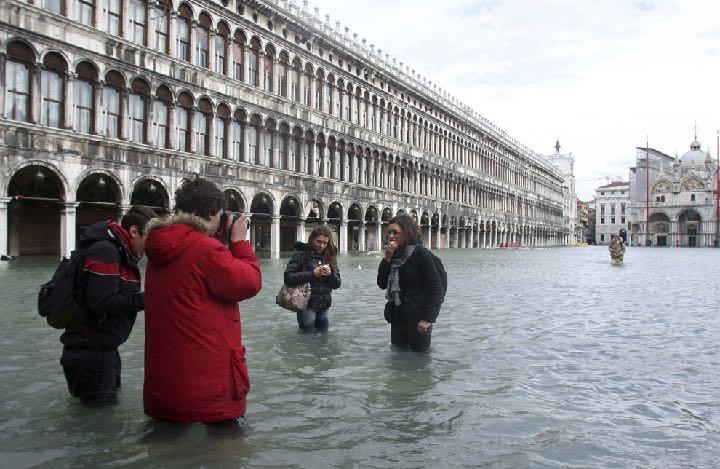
540	358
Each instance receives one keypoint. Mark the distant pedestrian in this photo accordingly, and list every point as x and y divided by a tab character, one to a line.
315	263
413	285
108	293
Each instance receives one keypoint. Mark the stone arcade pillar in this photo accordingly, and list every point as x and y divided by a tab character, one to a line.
4	225
428	238
344	236
275	238
300	234
361	238
67	229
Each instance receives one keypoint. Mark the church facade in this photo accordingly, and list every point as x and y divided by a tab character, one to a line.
674	199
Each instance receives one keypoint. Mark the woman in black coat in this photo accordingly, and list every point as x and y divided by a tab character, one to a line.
315	263
414	289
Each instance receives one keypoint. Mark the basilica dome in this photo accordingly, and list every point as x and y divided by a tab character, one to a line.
694	158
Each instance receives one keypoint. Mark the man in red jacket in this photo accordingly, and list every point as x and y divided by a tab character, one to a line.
195	368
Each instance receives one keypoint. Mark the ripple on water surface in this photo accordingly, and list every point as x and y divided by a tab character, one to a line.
540	358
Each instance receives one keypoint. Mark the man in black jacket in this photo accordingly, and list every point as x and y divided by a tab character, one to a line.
108	292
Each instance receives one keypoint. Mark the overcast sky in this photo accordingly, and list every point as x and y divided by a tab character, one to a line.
598	75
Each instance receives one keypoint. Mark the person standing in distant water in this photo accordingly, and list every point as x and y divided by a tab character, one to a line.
315	263
414	289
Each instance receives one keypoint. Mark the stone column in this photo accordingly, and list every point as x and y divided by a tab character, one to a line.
4	225
67	227
191	130
69	92
35	92
275	238
361	238
344	236
172	133
428	240
210	123
300	236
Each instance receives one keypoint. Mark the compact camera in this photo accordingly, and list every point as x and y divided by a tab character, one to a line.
224	231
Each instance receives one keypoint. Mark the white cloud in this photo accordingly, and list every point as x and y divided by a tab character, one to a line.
598	75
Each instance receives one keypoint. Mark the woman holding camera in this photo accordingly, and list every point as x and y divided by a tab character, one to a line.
413	285
315	263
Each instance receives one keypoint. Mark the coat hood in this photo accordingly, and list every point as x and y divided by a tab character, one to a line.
169	237
109	231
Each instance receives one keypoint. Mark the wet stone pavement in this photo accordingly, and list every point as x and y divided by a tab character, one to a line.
540	358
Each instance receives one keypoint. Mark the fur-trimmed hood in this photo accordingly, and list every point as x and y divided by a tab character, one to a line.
169	237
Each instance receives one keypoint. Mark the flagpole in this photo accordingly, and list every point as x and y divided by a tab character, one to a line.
647	191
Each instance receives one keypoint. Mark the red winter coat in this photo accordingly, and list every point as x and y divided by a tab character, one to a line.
195	368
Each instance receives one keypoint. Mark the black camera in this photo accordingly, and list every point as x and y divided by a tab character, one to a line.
224	231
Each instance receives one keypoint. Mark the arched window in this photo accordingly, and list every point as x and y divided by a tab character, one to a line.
328	95
296	151
221	41
113	16
161	112
161	19
268	68
283	147
238	54
222	119
307	85
182	121
252	143
182	33
54	6
86	12
112	104
52	88
339	101
84	97
202	124
254	63
202	41
137	14
18	72
269	143
356	107
347	99
284	70
138	104
295	80
238	134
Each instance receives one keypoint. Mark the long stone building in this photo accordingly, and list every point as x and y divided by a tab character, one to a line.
108	103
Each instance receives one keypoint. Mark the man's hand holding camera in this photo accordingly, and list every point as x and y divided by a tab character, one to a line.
239	228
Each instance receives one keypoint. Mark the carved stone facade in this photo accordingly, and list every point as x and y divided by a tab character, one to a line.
108	103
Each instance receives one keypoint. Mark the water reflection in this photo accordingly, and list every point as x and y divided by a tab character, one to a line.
540	358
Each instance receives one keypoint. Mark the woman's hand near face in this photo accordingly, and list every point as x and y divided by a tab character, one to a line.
390	248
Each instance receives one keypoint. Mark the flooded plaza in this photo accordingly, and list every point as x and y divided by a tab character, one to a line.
541	358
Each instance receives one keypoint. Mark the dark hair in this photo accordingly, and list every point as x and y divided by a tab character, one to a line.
199	197
139	216
330	250
409	227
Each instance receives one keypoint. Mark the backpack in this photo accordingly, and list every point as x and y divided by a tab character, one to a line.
56	298
441	272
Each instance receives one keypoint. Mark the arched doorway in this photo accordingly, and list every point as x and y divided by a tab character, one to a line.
444	241
151	193
260	221
290	216
334	218
425	229
234	201
34	212
690	224
371	221
313	217
99	199
356	239
435	231
385	219
659	225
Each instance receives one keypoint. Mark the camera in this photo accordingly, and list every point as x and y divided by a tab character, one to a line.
224	231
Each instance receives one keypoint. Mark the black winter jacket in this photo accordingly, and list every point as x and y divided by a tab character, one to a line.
107	289
421	290
300	270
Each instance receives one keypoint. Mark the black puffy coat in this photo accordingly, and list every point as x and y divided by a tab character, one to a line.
300	270
108	290
421	289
